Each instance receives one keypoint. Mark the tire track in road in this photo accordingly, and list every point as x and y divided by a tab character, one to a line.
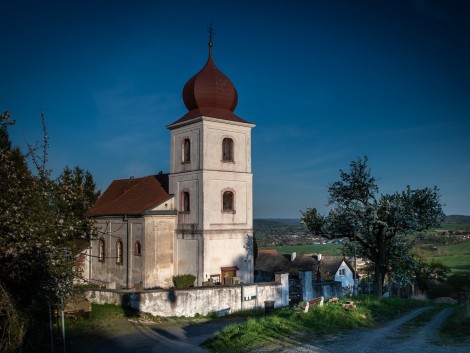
384	339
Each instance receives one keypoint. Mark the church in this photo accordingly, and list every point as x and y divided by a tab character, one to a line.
198	218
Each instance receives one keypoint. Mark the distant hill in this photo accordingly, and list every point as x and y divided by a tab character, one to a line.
457	219
263	226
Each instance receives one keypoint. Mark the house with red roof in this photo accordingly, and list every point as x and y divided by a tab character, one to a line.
197	219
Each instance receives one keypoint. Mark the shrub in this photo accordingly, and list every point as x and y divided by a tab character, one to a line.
12	328
442	290
183	281
459	281
279	326
457	325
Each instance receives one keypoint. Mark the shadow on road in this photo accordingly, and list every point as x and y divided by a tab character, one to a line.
130	335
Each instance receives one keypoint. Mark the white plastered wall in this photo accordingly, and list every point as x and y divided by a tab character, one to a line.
158	251
207	237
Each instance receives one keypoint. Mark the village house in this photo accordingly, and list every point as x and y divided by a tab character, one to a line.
324	270
337	269
198	218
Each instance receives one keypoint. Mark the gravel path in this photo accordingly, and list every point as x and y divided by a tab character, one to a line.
387	339
393	337
151	338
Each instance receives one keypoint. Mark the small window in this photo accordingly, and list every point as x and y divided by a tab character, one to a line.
227	150
101	250
227	201
137	248
119	252
186	151
341	272
185	202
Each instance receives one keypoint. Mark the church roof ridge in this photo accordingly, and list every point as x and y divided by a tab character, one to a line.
132	196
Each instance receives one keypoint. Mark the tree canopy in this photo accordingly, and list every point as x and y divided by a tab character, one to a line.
40	220
375	222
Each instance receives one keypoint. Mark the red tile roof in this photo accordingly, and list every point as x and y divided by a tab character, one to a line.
268	251
269	262
209	112
131	196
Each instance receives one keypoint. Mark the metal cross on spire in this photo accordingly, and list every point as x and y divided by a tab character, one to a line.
210	30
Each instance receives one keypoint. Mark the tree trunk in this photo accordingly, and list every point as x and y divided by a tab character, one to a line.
378	281
379	264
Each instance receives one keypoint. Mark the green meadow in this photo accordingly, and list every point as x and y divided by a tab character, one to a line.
325	249
456	256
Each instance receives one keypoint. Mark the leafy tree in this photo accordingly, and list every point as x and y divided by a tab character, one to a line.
375	222
426	270
76	193
40	219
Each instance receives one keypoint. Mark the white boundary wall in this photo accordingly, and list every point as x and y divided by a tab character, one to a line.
201	300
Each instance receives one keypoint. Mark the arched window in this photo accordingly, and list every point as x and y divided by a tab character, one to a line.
227	201
186	150
101	250
185	201
137	248
119	252
227	150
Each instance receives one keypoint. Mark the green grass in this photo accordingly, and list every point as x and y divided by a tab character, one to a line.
456	257
454	249
325	249
454	226
106	318
456	328
278	328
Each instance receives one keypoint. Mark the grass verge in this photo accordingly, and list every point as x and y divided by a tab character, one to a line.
106	319
279	327
456	329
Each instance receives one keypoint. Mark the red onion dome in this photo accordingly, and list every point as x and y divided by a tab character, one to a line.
210	88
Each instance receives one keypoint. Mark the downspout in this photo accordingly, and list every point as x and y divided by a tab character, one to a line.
90	260
127	251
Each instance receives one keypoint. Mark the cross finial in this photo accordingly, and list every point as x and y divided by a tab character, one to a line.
210	30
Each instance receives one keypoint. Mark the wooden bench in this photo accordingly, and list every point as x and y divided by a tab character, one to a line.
311	303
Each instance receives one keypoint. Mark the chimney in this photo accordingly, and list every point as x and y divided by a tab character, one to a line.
293	256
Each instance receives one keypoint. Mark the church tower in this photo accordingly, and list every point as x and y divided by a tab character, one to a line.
211	180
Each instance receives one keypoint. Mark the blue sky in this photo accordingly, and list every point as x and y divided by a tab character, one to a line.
325	82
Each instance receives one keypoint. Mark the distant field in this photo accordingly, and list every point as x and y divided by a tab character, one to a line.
325	249
455	225
456	256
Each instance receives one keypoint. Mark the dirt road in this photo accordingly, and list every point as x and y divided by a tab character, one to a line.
390	338
395	336
146	338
